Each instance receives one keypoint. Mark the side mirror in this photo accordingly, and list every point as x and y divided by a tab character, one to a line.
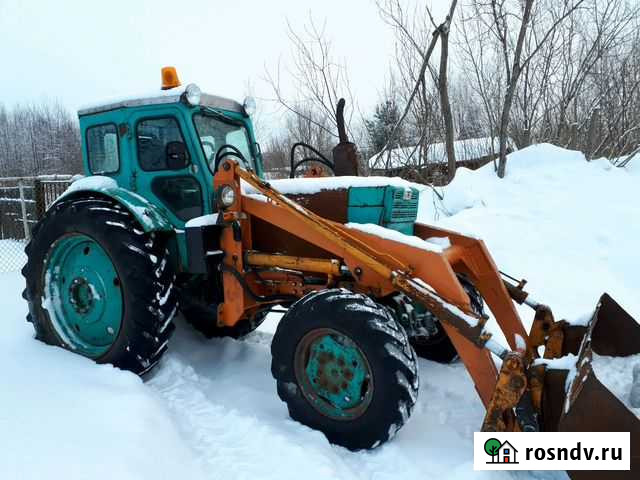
177	156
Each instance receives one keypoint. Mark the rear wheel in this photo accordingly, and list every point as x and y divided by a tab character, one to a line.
99	286
345	367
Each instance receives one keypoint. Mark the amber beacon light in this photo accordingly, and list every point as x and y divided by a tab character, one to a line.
170	78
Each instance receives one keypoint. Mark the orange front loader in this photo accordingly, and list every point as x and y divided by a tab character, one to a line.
521	395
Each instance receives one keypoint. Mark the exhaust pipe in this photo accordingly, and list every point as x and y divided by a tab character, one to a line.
345	154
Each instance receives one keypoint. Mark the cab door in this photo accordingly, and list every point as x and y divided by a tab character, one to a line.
167	169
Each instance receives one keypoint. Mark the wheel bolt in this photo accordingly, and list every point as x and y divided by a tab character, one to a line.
110	330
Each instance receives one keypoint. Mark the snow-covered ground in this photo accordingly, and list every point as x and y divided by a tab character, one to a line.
570	227
211	411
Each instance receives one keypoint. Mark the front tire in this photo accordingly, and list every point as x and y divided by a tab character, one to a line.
99	286
345	367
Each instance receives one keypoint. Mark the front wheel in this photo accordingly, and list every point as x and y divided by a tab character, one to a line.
99	286
345	367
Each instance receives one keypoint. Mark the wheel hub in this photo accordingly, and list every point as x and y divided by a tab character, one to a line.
334	374
81	295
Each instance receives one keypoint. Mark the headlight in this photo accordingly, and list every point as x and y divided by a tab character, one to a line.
192	94
226	196
249	106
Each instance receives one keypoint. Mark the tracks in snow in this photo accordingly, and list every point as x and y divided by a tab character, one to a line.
222	398
247	438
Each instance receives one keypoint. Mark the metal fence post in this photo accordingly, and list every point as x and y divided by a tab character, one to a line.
38	196
23	207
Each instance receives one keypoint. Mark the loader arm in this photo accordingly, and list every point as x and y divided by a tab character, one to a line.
381	266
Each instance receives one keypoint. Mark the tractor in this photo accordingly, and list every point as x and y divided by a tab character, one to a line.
174	215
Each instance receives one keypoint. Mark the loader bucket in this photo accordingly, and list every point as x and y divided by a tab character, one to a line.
578	402
615	333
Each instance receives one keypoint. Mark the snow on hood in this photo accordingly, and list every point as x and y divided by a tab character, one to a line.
299	186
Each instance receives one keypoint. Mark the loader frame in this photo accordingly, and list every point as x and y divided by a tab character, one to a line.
378	267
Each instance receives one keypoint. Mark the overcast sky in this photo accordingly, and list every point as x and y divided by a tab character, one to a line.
78	52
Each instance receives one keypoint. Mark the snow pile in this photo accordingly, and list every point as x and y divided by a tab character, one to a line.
633	167
618	373
62	416
569	226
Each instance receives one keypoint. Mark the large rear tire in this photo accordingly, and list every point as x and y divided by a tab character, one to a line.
100	286
345	367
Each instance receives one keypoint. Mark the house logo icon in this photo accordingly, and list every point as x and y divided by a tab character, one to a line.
500	452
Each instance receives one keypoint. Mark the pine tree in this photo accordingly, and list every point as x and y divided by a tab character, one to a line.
380	127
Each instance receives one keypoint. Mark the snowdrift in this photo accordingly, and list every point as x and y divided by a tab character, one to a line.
569	226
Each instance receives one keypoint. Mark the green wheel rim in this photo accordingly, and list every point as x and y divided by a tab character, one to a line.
334	374
82	295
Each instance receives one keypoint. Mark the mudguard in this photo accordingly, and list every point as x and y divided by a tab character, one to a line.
149	216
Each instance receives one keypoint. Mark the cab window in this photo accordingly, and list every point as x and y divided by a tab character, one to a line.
102	149
153	136
215	132
182	195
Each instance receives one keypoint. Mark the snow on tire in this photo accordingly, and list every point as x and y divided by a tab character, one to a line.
144	276
313	350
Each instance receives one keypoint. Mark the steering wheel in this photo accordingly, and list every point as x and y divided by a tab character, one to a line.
233	153
320	158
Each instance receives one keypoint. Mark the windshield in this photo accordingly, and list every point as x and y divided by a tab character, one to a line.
214	133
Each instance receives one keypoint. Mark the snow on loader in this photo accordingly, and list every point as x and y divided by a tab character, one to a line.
175	215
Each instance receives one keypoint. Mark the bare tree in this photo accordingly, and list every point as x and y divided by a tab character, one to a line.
443	88
513	25
416	48
524	71
317	79
38	139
